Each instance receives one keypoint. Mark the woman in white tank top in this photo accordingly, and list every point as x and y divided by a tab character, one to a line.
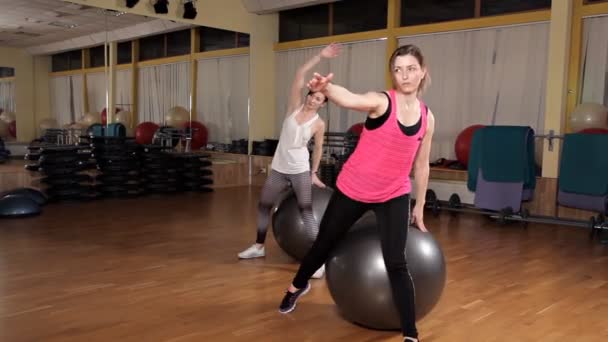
290	164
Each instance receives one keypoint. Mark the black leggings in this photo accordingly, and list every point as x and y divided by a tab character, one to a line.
275	184
393	219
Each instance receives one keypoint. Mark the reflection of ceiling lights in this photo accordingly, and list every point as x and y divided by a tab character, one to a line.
9	27
51	14
33	20
64	25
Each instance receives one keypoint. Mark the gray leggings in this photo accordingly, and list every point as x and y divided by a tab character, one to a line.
275	184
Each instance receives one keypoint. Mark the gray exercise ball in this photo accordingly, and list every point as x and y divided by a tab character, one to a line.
358	281
13	206
34	194
288	226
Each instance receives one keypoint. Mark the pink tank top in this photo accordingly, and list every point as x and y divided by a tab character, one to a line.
379	168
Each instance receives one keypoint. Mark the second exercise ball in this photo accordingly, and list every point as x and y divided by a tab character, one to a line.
144	132
462	147
177	116
90	119
12	128
358	280
589	115
8	117
288	226
4	132
199	134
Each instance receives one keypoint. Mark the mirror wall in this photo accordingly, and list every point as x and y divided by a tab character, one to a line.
8	111
167	75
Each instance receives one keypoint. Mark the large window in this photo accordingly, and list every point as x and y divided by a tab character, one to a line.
97	56
212	39
7	72
165	45
124	53
347	16
494	7
340	17
304	23
417	12
70	60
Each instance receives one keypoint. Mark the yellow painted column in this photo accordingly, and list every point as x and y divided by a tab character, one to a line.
194	48
262	92
111	76
557	81
85	91
134	83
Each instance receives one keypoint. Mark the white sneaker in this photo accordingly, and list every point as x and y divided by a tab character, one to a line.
319	273
252	252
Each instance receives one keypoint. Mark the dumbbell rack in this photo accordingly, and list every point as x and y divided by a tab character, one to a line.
596	224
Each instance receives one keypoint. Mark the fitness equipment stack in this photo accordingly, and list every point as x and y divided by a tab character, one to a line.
64	167
118	166
339	147
159	171
4	153
194	171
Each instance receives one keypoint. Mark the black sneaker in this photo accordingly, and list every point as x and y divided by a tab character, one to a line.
289	301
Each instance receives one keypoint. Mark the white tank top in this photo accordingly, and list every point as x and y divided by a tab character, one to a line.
291	155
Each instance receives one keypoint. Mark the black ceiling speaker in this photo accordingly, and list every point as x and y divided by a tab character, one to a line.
161	7
132	3
189	9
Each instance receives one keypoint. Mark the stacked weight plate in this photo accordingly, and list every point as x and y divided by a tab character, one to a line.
4	153
328	173
64	170
194	171
159	170
118	165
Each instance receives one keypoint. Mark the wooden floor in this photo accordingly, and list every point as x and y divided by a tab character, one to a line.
165	269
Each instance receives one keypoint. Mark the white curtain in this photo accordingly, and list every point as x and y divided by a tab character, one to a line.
162	87
96	90
487	76
360	67
77	96
7	95
595	60
223	97
67	103
123	93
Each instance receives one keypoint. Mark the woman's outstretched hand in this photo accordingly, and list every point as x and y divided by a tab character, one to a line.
330	51
319	82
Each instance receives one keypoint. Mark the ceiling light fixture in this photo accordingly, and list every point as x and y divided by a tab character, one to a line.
111	13
189	9
64	25
161	7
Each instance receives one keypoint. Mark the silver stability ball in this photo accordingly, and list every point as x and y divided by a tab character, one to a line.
358	281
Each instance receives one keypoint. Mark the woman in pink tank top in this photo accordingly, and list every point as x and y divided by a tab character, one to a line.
396	139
